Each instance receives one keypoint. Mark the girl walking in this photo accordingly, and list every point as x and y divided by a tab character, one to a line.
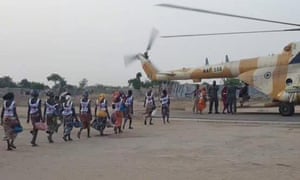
51	115
9	120
165	106
101	113
149	104
34	114
68	113
85	114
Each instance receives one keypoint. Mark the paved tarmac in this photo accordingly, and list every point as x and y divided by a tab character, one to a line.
265	115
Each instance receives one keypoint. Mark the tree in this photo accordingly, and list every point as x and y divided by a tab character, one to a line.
24	83
56	78
83	83
59	82
7	81
37	85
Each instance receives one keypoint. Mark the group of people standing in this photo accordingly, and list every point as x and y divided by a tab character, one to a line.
228	96
60	110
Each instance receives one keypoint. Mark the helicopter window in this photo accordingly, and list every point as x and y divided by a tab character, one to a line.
218	69
289	82
296	59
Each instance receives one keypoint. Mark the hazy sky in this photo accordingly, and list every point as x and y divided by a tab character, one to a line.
88	38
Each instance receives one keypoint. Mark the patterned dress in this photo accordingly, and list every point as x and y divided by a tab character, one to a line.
35	113
85	114
68	118
9	120
165	102
118	115
52	117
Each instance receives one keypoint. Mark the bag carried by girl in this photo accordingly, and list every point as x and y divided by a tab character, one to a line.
18	128
41	126
77	124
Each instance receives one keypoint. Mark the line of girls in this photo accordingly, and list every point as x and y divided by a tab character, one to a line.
60	110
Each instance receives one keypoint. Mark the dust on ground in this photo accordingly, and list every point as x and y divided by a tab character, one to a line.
179	150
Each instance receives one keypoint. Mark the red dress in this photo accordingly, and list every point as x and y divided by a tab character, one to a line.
202	100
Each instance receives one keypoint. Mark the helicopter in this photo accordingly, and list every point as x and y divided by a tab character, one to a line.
277	76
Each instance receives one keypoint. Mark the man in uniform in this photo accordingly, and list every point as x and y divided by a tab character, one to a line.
213	97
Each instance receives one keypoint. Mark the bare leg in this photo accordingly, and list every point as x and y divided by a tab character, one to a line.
79	133
8	146
12	144
34	136
130	123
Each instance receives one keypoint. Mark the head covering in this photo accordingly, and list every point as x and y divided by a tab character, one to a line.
129	92
149	93
85	94
8	96
34	93
116	96
101	97
68	99
164	92
62	96
50	93
123	95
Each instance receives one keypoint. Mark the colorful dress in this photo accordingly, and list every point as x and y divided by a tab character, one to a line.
52	117
149	104
85	114
100	121
9	120
35	113
68	118
165	109
202	100
118	115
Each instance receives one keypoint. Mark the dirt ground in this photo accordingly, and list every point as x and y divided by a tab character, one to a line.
179	150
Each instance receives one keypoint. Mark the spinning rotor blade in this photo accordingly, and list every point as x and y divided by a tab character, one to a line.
224	14
231	33
153	36
130	59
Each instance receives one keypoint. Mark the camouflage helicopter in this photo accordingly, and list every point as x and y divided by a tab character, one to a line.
277	76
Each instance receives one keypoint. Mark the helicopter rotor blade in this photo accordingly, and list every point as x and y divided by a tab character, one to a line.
231	33
224	14
154	34
129	59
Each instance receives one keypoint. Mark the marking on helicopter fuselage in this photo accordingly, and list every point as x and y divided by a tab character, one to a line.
215	69
267	75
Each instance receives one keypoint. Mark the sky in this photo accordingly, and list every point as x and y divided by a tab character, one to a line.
88	38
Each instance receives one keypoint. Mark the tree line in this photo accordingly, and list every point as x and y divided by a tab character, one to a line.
7	82
60	84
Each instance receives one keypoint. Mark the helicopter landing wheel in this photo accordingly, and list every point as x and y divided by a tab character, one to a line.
286	109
